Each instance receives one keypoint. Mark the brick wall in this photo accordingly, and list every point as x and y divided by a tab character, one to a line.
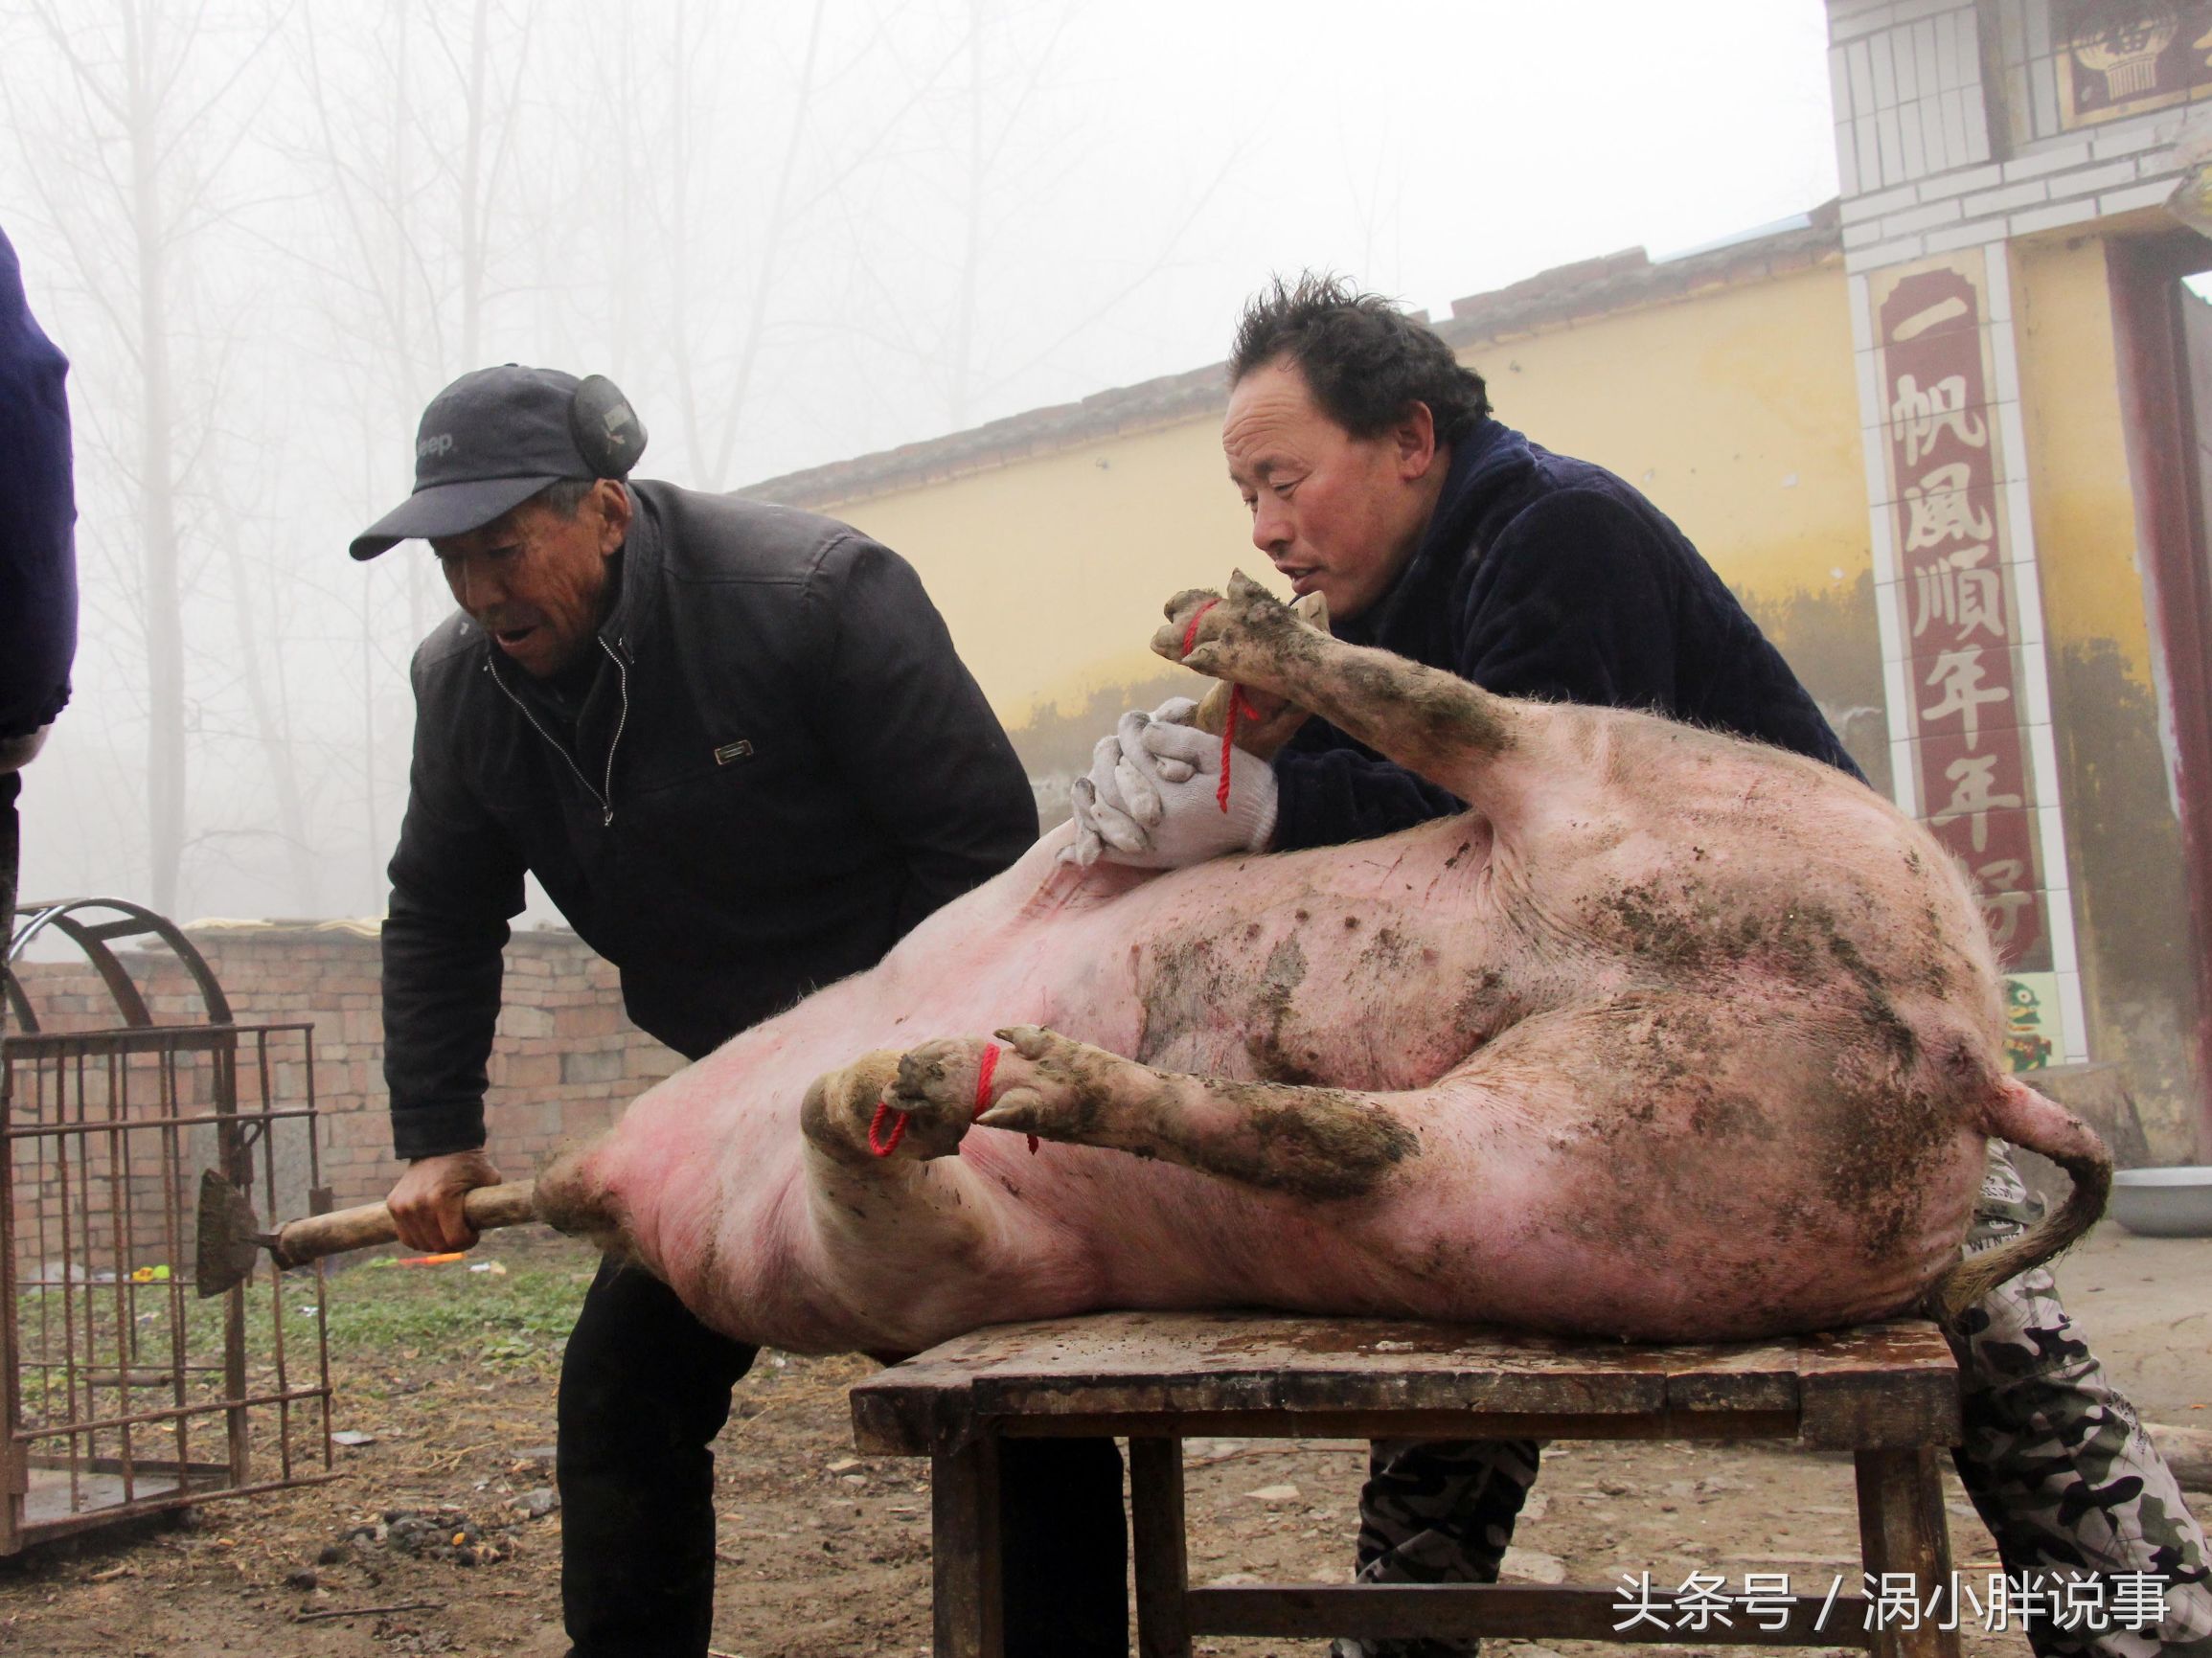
564	1063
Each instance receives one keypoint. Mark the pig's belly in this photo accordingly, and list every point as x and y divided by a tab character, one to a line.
1496	1221
1541	1240
709	1167
1521	1235
1493	1224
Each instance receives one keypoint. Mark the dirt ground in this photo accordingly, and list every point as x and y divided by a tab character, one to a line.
437	1536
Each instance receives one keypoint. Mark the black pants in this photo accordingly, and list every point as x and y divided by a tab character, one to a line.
645	1388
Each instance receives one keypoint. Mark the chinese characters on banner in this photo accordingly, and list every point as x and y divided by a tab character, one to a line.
1958	616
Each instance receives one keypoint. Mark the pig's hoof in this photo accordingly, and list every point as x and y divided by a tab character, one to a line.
1240	635
1035	1042
1046	1087
934	1096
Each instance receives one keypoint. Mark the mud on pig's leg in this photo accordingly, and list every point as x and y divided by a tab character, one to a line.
1484	748
1311	1142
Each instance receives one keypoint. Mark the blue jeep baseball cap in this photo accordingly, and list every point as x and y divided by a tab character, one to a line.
487	442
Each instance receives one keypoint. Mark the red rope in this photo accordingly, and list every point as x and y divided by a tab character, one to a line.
983	1074
1191	633
1239	703
883	1147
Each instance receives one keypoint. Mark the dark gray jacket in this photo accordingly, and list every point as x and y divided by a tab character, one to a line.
781	766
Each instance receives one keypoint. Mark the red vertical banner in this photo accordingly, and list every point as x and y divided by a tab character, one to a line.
1956	597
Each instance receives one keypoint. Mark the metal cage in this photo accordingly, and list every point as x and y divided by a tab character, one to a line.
123	1393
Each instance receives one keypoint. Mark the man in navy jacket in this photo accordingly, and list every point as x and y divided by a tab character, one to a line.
37	554
1376	477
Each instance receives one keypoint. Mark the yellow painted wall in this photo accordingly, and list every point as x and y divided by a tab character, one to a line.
2078	483
1736	411
2142	983
1052	572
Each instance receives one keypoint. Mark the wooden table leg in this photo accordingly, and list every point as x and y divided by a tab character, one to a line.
1162	1562
1902	1528
964	1551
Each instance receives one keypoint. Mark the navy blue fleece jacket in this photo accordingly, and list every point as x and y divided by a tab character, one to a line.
1544	576
38	535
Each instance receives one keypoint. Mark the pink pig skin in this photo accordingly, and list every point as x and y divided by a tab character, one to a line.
1679	1038
711	1167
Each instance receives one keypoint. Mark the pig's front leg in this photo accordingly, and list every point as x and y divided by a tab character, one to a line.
1491	751
907	1233
1311	1142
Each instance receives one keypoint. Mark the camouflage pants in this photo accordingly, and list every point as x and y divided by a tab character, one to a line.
2054	1459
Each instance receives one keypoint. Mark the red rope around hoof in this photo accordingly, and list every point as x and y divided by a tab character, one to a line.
883	1146
1191	633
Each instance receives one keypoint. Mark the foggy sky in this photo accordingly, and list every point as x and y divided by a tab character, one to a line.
794	232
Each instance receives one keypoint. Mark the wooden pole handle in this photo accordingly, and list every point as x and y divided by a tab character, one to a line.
487	1207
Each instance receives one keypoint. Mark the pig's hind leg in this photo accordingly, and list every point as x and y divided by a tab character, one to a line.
1311	1142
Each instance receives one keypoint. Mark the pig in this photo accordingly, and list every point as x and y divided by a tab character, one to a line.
1670	1036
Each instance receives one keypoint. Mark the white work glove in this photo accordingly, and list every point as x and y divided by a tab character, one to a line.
1153	798
1117	800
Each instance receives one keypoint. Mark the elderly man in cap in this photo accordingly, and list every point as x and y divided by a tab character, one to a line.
734	744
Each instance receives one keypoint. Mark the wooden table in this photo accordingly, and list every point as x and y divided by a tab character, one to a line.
1886	1392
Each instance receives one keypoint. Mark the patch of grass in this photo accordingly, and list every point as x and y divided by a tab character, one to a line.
512	1318
517	1319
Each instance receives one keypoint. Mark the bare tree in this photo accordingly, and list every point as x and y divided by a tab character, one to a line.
415	138
416	118
260	610
129	150
788	227
727	294
985	145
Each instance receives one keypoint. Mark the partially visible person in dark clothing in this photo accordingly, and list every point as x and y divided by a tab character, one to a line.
37	555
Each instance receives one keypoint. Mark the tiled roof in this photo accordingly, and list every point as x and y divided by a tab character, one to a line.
1565	294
